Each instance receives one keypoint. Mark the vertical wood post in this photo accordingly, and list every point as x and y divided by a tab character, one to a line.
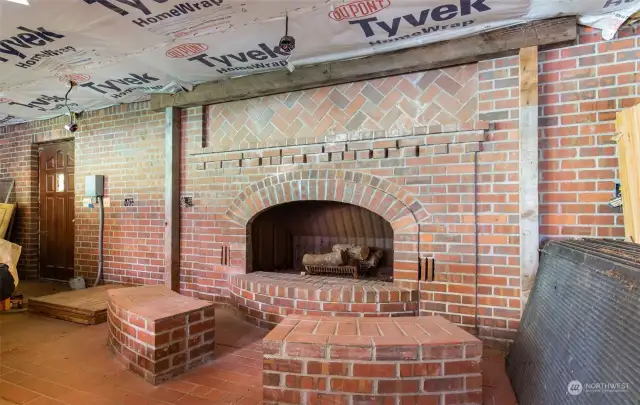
172	198
529	219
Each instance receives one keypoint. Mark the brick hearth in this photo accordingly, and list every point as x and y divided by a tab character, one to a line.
337	360
157	333
265	299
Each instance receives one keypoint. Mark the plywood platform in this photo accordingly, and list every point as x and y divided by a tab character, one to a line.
88	306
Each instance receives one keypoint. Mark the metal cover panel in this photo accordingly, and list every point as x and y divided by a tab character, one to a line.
582	323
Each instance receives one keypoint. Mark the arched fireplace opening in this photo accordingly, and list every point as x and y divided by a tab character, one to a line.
281	235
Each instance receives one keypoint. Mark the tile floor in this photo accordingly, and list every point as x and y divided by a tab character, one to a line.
51	362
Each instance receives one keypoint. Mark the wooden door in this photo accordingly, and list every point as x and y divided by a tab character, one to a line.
56	211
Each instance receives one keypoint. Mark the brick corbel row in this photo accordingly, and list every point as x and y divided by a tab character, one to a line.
409	146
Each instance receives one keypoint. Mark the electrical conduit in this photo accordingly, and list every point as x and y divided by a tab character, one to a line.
100	232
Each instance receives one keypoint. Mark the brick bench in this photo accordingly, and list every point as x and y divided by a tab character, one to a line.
157	333
342	360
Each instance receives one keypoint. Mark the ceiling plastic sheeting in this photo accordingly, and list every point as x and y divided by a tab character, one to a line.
123	50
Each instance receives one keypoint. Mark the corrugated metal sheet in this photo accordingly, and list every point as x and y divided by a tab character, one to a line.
582	323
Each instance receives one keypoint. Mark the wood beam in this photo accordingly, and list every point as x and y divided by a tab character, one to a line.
529	219
448	53
172	199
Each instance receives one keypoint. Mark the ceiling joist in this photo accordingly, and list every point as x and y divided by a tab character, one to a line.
464	50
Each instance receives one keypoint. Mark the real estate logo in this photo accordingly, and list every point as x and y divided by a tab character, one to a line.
186	50
574	388
358	9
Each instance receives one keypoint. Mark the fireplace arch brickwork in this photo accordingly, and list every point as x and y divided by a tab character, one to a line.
390	201
424	183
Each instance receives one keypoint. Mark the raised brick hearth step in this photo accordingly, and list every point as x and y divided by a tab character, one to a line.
265	299
340	360
157	333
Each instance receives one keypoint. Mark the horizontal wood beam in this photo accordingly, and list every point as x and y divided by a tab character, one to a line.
433	56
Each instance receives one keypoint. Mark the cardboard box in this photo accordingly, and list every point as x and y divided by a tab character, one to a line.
9	255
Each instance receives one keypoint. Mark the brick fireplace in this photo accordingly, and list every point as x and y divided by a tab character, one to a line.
421	185
377	195
404	149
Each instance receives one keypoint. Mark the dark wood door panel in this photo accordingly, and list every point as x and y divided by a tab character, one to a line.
57	211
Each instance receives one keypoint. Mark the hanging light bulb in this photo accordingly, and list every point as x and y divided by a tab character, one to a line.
287	43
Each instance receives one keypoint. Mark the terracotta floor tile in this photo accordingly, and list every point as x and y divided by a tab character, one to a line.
202	380
201	391
76	397
44	387
165	394
15	376
45	401
131	398
15	393
249	401
103	390
36	370
231	399
4	370
216	394
237	378
191	400
179	385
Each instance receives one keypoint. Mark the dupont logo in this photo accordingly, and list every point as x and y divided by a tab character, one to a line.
186	50
4	100
77	78
358	9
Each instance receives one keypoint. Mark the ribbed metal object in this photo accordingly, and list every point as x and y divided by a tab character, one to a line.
582	323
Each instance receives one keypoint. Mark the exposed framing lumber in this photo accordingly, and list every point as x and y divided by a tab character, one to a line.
448	53
628	140
529	219
172	199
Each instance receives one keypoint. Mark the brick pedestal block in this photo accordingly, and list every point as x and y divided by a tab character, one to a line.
340	360
158	333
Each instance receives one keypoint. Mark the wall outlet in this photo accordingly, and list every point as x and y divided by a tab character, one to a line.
186	201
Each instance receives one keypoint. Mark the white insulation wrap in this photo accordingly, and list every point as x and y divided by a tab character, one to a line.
122	50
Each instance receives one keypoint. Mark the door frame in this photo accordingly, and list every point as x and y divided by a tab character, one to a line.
41	147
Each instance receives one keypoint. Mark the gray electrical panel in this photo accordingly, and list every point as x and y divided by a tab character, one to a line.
94	186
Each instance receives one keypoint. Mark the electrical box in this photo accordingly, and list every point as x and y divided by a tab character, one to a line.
94	186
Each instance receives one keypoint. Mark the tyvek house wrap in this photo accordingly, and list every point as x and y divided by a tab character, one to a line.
120	51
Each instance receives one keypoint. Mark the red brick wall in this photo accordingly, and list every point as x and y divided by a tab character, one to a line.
126	144
393	105
498	198
19	161
581	88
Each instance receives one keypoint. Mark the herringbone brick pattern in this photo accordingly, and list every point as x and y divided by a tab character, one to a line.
393	104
